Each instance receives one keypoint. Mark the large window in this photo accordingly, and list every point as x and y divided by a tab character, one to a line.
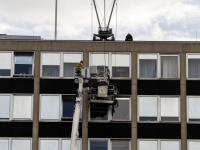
158	66
193	65
57	144
15	144
193	108
118	63
59	64
16	107
158	108
17	64
159	145
23	63
57	107
99	112
109	144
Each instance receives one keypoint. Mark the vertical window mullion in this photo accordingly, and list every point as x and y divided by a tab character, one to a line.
61	64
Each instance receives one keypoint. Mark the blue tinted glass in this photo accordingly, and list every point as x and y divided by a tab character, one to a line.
23	69
68	108
98	145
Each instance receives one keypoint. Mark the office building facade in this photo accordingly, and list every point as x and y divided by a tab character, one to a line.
159	96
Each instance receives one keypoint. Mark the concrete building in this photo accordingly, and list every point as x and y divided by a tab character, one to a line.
158	85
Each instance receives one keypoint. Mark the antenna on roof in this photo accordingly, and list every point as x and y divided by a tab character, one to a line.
104	32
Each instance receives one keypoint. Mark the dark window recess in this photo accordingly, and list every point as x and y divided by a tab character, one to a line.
99	145
69	69
23	63
68	105
120	71
4	72
52	71
193	87
169	118
97	113
194	119
148	118
123	86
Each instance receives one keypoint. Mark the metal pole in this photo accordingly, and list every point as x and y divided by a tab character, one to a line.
104	13
56	20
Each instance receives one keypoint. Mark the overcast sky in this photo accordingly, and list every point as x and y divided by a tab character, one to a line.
153	20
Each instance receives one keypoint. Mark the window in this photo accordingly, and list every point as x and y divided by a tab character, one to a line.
23	63
159	144
158	108
70	62
193	65
104	144
158	66
99	112
15	144
118	63
193	108
5	63
57	144
193	144
16	107
57	107
59	64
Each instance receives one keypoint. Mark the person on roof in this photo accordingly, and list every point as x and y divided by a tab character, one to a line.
79	66
129	37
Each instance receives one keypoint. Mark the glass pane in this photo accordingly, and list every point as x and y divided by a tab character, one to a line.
52	71
98	114
69	69
170	145
49	107
5	61
23	69
99	60
98	145
122	111
72	58
120	60
120	71
148	108
22	107
21	144
66	144
148	68
193	68
48	144
4	107
148	145
169	66
51	59
169	109
120	145
194	145
4	72
3	144
194	111
68	105
24	58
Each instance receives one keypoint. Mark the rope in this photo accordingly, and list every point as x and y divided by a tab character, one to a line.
116	22
91	19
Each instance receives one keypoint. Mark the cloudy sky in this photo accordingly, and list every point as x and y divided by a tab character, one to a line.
153	20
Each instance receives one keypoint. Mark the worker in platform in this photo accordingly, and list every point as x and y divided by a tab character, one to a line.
129	37
79	66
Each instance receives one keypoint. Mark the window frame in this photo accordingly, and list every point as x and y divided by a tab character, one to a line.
59	142
191	140
60	109
159	55
109	141
12	69
187	55
10	139
61	65
110	62
159	108
191	122
13	64
159	142
110	112
11	108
